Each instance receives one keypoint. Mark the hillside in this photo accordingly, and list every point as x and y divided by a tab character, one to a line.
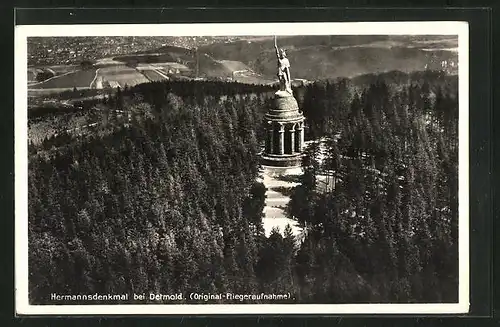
311	57
320	57
349	62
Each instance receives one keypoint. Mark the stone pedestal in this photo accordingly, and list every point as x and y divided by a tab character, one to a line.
285	132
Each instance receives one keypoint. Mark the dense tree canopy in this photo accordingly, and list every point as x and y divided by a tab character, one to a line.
391	218
161	195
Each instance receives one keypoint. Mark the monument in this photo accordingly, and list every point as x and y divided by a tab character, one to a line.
284	121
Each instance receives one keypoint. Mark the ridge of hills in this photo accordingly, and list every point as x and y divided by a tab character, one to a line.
252	59
318	56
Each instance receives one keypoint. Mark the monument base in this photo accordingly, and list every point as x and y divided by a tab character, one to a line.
281	160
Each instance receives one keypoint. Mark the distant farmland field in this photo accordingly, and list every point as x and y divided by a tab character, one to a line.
253	79
121	75
233	65
153	75
81	78
171	65
61	69
55	69
34	92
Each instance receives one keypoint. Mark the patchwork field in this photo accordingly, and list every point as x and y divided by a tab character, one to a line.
36	92
171	65
103	62
62	69
154	75
121	76
252	78
233	65
174	65
80	78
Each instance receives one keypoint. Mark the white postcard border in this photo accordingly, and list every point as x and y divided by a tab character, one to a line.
210	29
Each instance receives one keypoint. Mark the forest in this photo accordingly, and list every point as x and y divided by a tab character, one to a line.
161	196
388	229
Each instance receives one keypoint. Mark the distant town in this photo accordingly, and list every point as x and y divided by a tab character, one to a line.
72	50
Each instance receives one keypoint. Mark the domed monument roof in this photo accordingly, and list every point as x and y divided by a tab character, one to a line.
285	108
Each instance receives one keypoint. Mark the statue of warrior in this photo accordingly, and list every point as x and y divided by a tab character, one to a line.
283	69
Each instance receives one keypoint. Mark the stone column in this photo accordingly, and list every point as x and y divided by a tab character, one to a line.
301	136
270	150
292	138
281	144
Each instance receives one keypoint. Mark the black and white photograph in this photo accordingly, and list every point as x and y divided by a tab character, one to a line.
242	168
